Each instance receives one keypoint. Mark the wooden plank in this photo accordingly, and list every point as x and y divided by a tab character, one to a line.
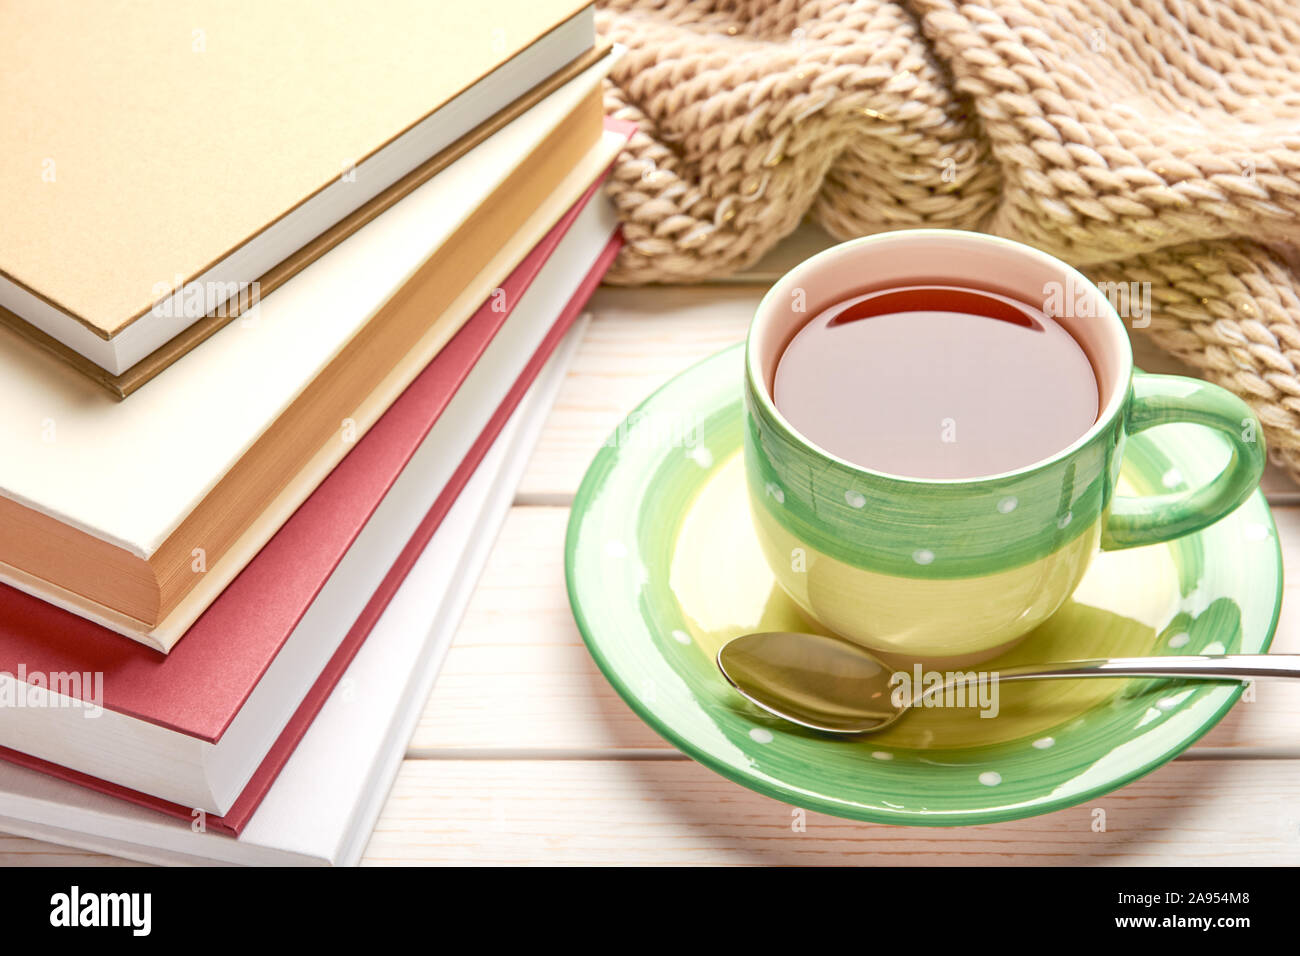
519	679
20	851
642	337
1189	813
1192	813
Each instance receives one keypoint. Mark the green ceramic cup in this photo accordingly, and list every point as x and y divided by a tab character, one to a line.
957	570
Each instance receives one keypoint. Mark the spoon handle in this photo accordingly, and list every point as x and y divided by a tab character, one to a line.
1199	667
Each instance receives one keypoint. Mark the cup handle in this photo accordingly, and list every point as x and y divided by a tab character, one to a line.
1173	399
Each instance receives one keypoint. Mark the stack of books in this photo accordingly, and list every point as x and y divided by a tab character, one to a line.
285	294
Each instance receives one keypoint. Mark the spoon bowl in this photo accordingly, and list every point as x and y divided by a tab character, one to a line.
818	682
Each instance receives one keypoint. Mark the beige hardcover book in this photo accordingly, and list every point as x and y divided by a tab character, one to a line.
136	514
166	162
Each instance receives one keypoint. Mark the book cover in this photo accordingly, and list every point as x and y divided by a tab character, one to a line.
150	146
120	385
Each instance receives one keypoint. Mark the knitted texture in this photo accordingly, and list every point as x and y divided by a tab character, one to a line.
1144	141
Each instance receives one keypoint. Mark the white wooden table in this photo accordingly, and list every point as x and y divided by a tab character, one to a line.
526	755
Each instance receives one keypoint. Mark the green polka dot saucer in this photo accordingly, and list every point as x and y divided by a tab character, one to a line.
664	567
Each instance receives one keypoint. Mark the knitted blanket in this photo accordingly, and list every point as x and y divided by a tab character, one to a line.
1154	144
